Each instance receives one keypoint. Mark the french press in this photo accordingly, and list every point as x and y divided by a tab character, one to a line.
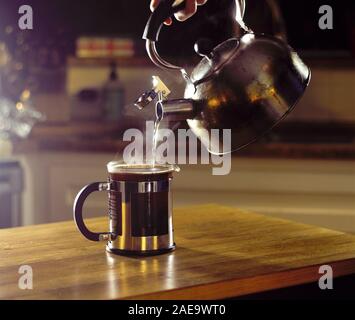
139	206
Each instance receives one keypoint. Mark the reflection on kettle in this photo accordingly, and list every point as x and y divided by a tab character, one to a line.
245	84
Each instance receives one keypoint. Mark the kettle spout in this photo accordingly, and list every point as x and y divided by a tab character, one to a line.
176	109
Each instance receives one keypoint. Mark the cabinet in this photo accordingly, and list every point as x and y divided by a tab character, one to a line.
316	192
52	181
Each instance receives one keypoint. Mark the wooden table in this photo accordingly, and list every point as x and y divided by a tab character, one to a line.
221	252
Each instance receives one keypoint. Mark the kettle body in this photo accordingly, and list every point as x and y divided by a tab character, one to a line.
258	83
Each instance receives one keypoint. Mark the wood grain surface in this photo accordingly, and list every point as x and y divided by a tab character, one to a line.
221	252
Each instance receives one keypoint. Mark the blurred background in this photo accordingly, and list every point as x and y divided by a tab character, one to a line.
66	94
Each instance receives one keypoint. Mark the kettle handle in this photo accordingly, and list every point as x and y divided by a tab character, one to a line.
164	10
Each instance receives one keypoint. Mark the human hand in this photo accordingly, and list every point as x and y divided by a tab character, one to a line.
190	10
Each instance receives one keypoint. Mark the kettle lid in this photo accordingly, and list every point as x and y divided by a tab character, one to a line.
215	60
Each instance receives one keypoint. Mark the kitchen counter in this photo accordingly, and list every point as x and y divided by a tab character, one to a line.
221	252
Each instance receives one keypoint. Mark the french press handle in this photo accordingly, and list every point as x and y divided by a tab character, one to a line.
78	211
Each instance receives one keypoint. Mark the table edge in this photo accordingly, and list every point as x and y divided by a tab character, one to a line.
232	288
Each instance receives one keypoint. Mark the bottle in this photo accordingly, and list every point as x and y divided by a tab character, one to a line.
113	96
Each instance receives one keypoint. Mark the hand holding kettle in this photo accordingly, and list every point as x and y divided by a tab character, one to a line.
189	11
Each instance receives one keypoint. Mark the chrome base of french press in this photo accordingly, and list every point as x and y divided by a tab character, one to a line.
139	252
141	246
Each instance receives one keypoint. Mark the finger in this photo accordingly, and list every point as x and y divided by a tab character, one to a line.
168	21
190	10
201	2
154	4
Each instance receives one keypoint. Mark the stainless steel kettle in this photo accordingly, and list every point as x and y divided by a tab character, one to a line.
246	84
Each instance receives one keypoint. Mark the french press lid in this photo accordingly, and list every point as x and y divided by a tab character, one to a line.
119	167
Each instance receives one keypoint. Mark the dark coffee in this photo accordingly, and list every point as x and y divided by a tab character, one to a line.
148	210
139	177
